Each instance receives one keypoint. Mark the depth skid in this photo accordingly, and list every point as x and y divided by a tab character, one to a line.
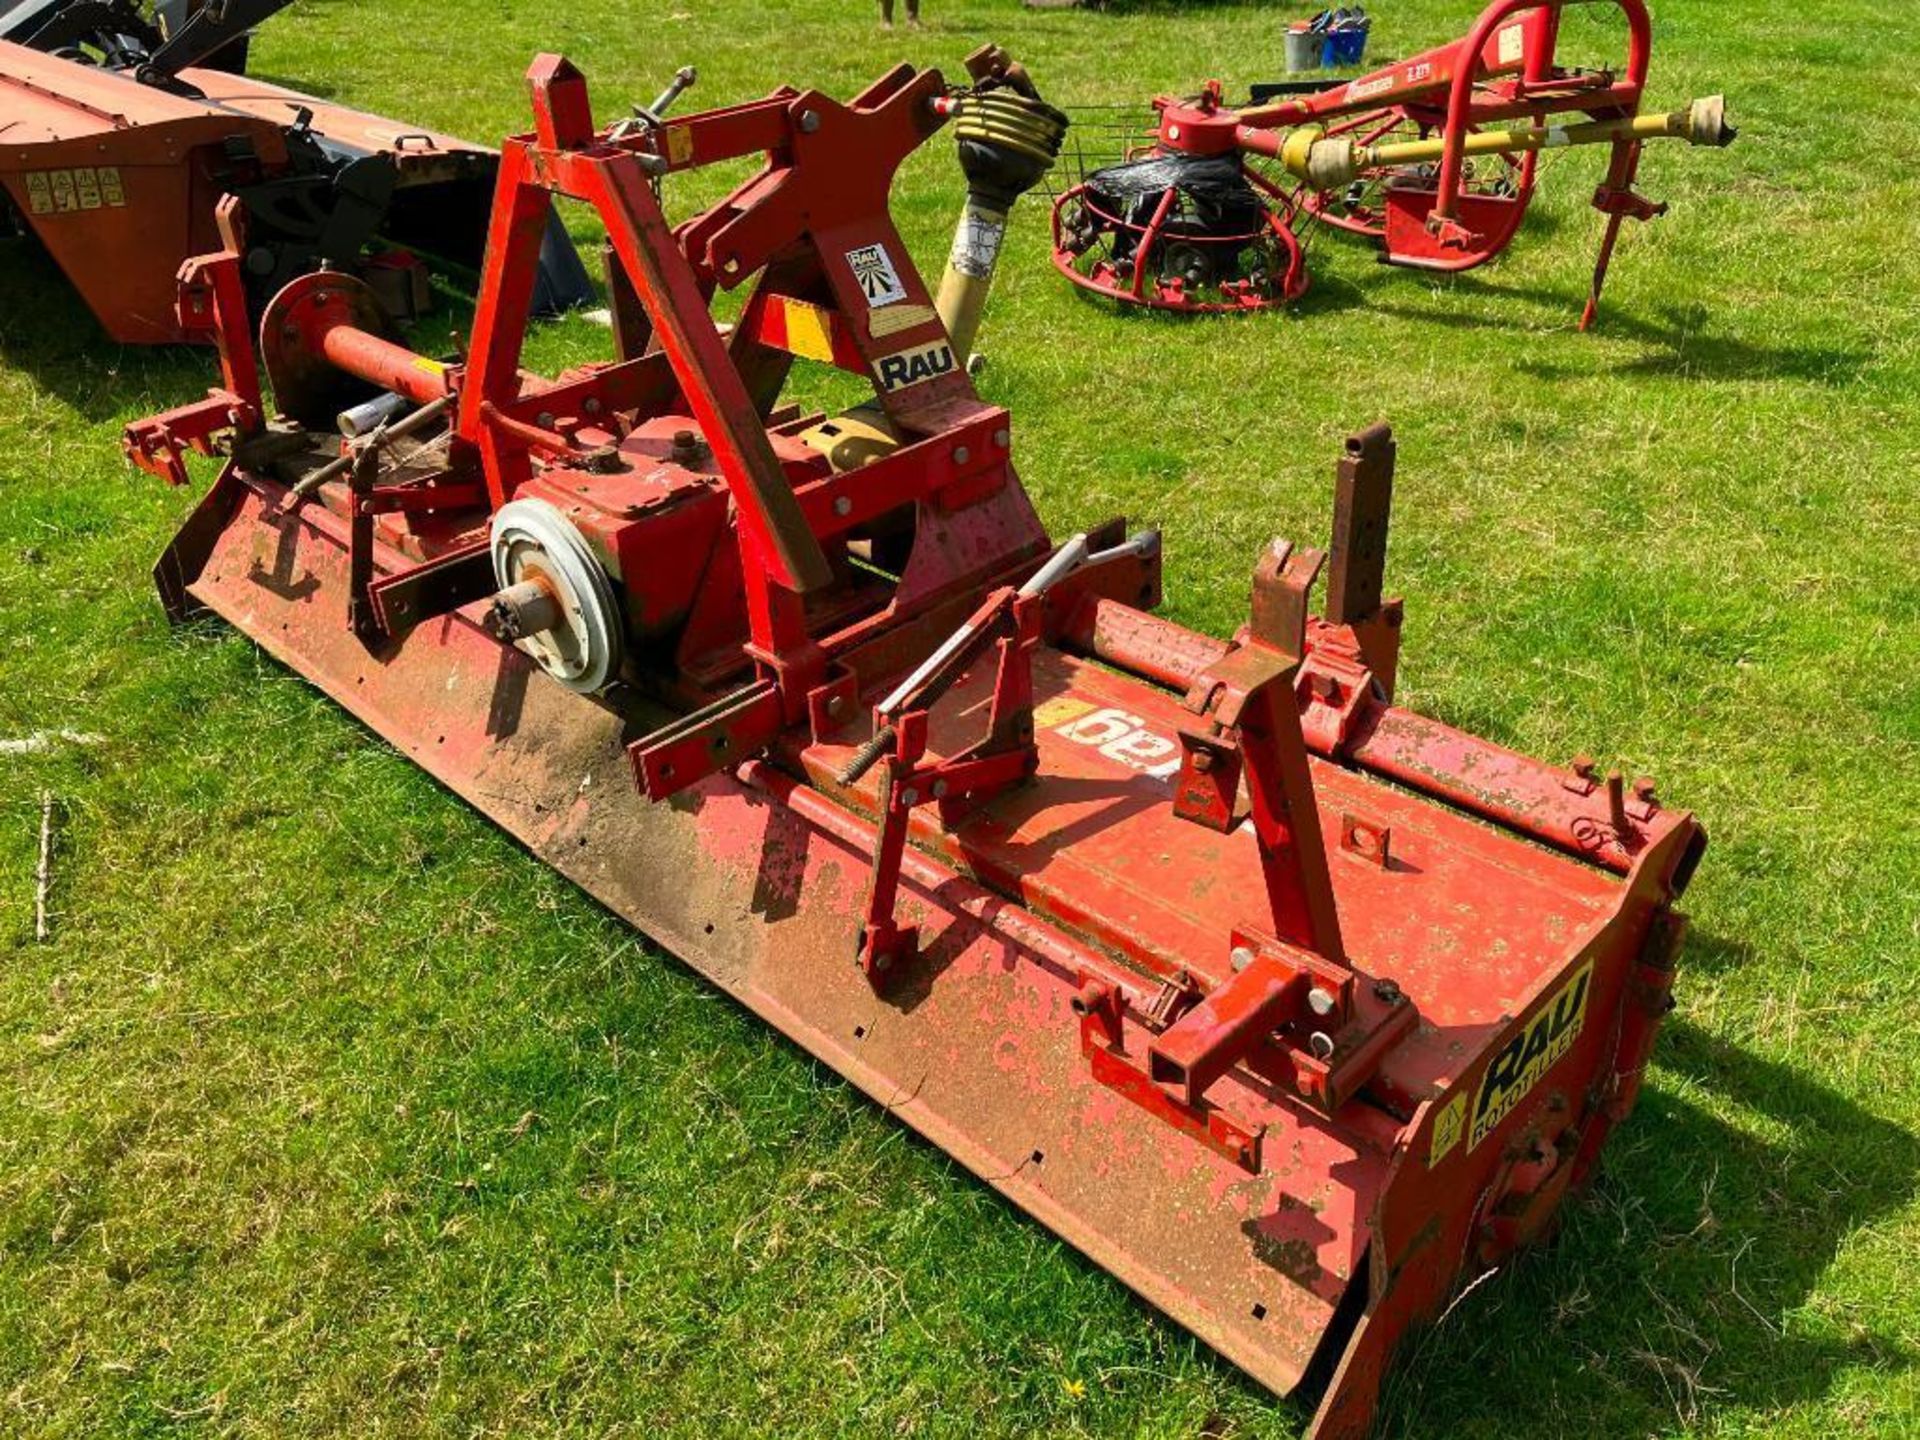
1287	1006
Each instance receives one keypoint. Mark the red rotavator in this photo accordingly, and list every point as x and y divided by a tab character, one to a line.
1288	1006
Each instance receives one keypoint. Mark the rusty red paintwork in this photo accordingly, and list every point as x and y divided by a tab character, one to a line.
121	181
1291	1091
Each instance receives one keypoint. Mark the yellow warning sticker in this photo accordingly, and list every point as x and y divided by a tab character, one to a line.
1530	1054
1060	710
1448	1126
64	192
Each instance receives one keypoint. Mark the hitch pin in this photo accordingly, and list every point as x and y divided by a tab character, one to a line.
647	117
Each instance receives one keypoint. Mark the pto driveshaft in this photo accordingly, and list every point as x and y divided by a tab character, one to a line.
1330	163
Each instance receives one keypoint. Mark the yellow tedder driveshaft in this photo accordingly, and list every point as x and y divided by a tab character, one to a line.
1329	163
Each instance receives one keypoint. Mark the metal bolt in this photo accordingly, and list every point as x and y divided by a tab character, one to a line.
836	707
1643	789
1387	992
843	504
809	122
1321	1002
961	455
1203	761
1241	958
544	419
1002	437
591	405
910	797
1583	766
939	789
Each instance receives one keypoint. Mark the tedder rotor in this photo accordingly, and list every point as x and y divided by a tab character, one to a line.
1435	159
1290	1007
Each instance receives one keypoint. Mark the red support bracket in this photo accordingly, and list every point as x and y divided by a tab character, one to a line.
960	783
1246	697
211	301
1103	1042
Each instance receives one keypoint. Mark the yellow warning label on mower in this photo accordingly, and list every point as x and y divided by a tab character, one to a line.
62	192
1530	1054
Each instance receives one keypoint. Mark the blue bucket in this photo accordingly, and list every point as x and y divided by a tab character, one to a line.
1345	48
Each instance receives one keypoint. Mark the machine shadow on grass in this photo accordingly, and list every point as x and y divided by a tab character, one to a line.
1679	334
1679	342
1671	1292
46	331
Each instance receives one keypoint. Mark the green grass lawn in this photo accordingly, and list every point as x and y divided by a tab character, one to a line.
327	1111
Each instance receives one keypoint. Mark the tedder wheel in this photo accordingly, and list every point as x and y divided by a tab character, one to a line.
555	599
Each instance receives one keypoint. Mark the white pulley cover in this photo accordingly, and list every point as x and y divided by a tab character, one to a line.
532	540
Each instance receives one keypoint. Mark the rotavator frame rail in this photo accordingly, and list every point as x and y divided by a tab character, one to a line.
1288	1006
1434	158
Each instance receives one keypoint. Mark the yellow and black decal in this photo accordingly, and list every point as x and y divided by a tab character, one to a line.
63	192
1530	1054
914	367
1448	1126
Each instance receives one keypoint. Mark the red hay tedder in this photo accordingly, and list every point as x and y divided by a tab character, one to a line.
1435	159
1288	1006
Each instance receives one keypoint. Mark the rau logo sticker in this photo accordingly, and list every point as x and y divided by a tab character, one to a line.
879	281
914	367
1530	1054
